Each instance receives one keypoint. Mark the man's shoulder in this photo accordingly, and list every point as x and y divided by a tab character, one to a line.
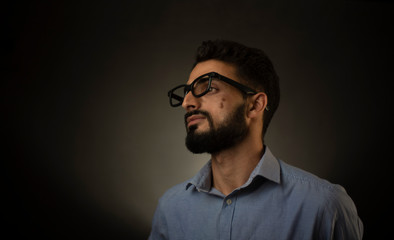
175	192
294	175
309	184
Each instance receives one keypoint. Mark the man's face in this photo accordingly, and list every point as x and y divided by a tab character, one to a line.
215	121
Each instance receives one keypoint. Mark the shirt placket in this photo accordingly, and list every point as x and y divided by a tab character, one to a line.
226	217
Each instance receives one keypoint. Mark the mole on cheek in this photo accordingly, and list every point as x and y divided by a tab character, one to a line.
222	103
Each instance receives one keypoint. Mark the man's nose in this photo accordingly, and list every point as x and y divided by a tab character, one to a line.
190	102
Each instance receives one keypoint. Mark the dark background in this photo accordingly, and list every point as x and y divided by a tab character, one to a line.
91	142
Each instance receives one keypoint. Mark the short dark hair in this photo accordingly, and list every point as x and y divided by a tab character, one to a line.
253	66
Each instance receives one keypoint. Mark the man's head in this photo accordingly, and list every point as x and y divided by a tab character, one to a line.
253	67
231	89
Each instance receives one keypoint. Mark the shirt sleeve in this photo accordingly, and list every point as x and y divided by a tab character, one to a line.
339	218
159	225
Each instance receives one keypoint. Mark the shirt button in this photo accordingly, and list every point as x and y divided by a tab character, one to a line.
229	201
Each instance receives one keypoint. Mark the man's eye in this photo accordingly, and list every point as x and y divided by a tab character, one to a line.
212	89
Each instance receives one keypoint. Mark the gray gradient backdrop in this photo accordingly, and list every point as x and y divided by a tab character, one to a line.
92	143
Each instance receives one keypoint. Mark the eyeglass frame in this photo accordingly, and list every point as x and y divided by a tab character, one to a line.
189	88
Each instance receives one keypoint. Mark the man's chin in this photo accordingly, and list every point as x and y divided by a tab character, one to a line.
197	140
196	129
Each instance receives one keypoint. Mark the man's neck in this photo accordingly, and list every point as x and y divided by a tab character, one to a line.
231	168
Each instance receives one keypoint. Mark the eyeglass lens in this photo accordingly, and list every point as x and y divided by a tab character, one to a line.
199	87
177	96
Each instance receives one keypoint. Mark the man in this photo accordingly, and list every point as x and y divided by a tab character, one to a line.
244	192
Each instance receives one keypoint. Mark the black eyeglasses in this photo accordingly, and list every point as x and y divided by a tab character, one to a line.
201	86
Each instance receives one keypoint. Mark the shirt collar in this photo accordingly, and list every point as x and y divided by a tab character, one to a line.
203	179
268	167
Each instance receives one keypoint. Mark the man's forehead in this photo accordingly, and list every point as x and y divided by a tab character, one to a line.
226	69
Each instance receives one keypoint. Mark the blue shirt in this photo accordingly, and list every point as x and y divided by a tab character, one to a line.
278	201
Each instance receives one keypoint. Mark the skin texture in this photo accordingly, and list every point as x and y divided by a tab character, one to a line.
231	167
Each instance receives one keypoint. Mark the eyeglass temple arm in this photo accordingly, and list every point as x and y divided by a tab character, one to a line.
244	88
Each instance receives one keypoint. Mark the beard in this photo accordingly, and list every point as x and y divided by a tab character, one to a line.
229	133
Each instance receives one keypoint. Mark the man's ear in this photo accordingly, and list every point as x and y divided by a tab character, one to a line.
257	104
